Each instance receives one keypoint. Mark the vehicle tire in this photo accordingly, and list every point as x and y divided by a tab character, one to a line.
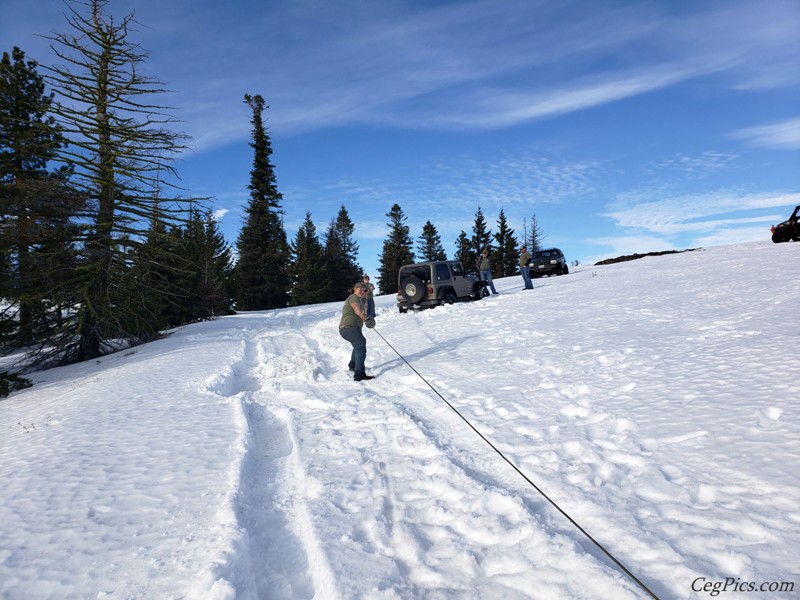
449	298
413	289
484	293
566	270
780	236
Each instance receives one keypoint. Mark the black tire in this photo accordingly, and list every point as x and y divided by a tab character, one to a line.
449	298
566	270
484	293
413	289
780	235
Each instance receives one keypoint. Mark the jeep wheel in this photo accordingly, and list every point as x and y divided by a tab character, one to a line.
484	293
449	298
566	270
413	289
780	235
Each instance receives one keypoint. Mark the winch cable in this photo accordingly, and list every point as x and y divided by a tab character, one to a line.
622	567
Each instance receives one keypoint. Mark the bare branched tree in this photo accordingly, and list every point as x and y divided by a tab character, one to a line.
123	146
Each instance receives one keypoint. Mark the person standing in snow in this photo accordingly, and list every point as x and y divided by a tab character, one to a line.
353	317
485	268
370	297
525	267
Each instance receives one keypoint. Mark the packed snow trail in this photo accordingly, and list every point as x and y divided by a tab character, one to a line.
238	459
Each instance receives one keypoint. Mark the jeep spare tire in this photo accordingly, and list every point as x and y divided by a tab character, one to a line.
413	289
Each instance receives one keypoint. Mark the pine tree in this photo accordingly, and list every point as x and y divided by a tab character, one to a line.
262	277
210	264
430	244
506	255
464	252
152	280
308	273
36	205
397	251
340	255
481	236
122	148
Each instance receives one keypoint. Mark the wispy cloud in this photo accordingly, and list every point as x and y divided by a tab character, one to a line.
711	212
783	135
693	165
409	65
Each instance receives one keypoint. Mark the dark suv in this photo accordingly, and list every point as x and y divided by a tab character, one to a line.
429	284
548	262
789	229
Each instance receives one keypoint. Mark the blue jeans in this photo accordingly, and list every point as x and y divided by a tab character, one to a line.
526	277
487	276
359	343
370	307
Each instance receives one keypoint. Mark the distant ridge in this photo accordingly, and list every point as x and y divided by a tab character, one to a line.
626	257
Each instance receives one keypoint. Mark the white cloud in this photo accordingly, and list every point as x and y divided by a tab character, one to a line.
783	135
676	215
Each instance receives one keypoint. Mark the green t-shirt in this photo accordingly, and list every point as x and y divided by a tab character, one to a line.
349	316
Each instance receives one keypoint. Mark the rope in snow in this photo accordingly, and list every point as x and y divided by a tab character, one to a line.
624	569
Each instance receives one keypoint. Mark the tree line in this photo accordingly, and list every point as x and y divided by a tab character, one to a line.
100	249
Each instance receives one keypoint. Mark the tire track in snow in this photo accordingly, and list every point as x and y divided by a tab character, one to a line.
279	485
270	560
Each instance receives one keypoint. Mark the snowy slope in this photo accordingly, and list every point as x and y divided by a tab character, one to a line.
654	401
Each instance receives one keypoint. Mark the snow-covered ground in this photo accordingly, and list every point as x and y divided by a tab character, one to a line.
654	401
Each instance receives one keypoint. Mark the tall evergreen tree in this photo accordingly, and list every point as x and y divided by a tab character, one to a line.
464	252
340	256
481	236
308	275
397	251
506	255
152	280
36	206
122	148
210	264
262	277
429	246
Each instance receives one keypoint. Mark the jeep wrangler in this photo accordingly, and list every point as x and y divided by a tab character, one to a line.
548	262
788	230
429	284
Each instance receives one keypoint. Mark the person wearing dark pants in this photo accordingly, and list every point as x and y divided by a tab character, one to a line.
525	267
370	297
353	317
485	268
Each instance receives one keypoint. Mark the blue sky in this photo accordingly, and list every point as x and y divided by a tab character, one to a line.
622	126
